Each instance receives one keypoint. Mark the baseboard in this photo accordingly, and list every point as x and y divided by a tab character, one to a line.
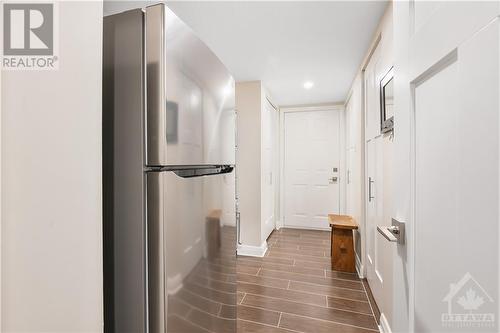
371	300
278	225
306	228
359	267
384	326
252	251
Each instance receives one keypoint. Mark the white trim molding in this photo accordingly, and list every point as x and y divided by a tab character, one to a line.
279	225
384	326
252	251
360	269
305	227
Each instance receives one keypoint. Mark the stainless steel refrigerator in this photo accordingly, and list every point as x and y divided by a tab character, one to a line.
168	170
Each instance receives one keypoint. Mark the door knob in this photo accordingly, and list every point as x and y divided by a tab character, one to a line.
333	180
393	233
389	233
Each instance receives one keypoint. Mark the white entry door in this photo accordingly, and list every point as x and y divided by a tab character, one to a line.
311	168
447	163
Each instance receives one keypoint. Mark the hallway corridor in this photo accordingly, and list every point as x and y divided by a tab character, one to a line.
293	289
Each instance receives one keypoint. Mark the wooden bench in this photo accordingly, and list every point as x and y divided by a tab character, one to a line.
342	248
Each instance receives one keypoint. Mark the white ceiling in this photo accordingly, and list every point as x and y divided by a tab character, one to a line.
284	43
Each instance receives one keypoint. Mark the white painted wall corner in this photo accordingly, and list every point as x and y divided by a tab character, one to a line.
279	225
360	268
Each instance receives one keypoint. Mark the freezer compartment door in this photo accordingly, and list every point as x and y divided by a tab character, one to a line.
191	254
190	115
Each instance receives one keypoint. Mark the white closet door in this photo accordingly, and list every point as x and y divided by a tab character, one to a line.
269	161
456	192
447	159
379	148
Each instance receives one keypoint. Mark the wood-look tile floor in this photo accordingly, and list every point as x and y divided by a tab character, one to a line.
293	289
206	302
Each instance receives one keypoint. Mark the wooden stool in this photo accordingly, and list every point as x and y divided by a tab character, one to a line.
343	257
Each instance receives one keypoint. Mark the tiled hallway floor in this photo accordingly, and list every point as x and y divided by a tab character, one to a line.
293	289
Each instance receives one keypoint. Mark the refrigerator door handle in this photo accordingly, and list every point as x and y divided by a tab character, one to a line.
200	172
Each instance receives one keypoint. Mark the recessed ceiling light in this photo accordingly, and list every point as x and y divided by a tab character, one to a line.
308	84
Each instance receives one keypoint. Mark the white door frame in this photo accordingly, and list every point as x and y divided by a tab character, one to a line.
276	162
342	164
359	257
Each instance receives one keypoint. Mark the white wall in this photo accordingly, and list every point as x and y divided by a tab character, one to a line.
254	163
402	171
248	160
51	241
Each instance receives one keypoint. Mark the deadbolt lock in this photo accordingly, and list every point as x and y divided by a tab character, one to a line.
333	180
